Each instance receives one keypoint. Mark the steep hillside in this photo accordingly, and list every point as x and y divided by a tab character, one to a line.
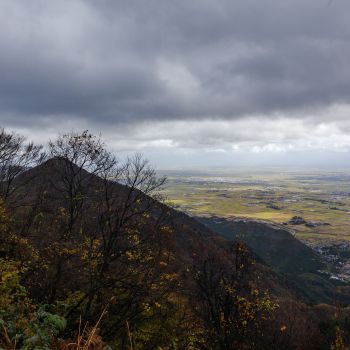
279	249
39	195
276	246
41	190
86	243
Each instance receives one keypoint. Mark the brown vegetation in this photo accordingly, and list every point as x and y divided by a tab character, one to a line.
86	239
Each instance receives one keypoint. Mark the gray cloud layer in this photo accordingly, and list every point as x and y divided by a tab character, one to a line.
130	60
105	63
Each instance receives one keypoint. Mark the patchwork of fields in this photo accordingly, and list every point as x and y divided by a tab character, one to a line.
322	199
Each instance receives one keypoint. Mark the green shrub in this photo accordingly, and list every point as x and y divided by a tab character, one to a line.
23	325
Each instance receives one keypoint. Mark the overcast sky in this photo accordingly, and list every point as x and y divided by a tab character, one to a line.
187	82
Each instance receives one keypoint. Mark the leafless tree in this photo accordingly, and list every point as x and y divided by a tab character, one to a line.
77	158
112	206
129	204
228	304
16	156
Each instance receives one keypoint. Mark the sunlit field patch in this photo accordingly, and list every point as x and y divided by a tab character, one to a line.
318	197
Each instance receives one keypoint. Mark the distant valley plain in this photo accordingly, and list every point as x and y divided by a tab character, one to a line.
321	199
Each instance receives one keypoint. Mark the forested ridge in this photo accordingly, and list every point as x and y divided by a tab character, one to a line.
93	258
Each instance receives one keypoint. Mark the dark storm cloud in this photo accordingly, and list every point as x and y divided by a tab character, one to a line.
123	61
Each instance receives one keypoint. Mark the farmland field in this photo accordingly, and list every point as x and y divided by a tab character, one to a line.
322	199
